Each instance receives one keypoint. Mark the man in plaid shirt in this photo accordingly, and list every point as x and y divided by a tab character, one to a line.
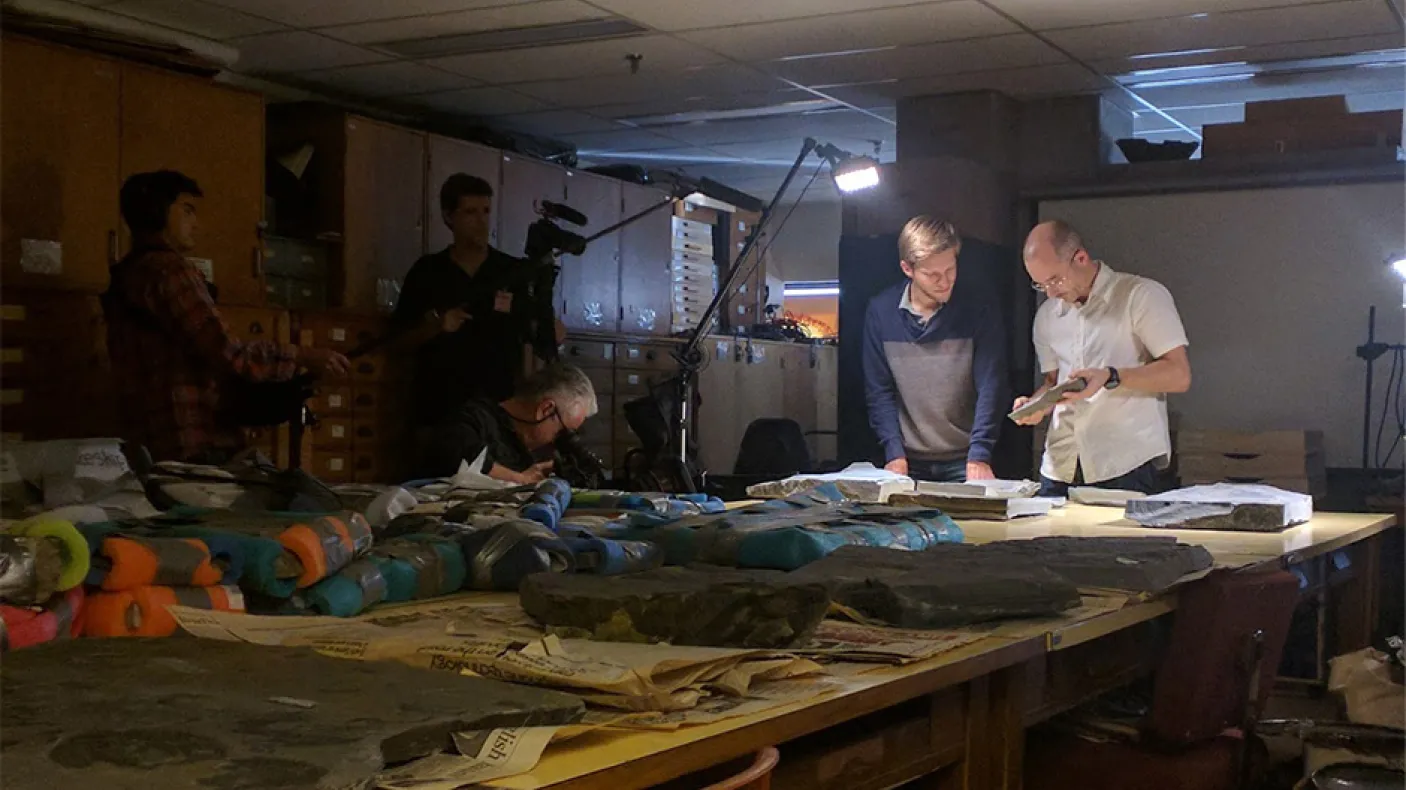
171	351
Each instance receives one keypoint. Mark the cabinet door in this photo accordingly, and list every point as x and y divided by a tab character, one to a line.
60	159
525	181
215	135
448	156
645	253
717	430
385	207
588	291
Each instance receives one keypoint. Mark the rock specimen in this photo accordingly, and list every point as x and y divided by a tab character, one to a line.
954	584
1232	507
1143	565
698	605
203	714
960	585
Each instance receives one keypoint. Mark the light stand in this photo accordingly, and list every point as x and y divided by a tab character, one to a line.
690	357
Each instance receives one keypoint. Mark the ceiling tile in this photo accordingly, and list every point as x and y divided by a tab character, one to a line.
557	122
846	32
473	20
1048	15
921	60
297	51
621	140
1242	28
674	16
195	17
586	59
322	13
386	79
479	102
1019	83
630	88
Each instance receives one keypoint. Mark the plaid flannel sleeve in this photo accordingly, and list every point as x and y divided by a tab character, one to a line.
195	319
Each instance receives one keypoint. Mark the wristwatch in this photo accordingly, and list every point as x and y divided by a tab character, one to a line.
1113	379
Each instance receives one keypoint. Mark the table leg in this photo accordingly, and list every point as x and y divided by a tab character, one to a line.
1354	605
995	735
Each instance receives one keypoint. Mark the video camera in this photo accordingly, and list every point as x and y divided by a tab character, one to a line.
546	241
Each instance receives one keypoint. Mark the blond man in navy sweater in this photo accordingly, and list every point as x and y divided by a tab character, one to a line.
935	362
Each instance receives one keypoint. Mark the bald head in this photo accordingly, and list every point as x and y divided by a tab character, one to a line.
1055	237
1057	262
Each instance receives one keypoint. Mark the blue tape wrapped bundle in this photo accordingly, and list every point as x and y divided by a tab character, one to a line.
786	534
501	556
548	502
607	557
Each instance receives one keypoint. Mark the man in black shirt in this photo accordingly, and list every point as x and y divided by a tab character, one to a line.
556	399
472	287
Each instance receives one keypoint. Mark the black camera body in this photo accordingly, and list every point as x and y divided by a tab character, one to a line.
546	240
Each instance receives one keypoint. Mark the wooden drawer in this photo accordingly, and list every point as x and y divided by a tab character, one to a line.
369	369
635	383
330	464
378	429
333	431
27	316
331	400
374	465
588	354
338	332
1068	678
644	356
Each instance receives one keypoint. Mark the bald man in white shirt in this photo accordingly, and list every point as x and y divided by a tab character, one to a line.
1122	335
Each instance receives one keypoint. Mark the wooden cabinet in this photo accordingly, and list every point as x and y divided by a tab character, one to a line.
645	252
525	182
588	291
54	367
719	430
59	152
215	135
384	220
445	157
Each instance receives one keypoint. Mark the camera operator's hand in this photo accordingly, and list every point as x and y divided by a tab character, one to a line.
322	362
453	319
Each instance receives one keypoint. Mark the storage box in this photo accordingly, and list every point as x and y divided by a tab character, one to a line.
1291	460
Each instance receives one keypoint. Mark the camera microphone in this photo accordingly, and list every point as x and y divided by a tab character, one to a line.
562	212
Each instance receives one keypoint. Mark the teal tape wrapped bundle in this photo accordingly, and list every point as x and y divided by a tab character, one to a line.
349	592
419	566
786	534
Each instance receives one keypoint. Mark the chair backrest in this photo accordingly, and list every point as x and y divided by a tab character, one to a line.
1201	687
773	445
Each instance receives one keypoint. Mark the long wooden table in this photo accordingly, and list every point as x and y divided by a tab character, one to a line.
956	720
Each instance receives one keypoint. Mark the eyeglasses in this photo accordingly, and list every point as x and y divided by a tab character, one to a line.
1057	280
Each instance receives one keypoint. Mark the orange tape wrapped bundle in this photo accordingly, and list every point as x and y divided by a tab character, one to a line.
163	562
326	544
142	611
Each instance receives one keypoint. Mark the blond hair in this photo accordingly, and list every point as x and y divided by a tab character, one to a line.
923	236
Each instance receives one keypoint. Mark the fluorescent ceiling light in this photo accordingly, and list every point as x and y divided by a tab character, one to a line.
700	116
1184	69
840	54
1192	81
1180	52
803	292
1398	265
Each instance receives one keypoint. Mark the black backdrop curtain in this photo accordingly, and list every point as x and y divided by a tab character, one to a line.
868	265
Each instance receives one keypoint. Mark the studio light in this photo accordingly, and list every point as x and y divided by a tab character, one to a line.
1398	265
858	173
851	173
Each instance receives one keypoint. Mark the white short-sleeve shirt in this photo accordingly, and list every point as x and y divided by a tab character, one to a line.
1127	321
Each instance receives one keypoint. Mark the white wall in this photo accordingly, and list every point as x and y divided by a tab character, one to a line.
1273	287
808	246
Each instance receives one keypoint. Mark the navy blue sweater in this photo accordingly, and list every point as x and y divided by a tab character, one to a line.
936	391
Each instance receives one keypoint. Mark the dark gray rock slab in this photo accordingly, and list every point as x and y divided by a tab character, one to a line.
1141	565
925	589
705	606
212	715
